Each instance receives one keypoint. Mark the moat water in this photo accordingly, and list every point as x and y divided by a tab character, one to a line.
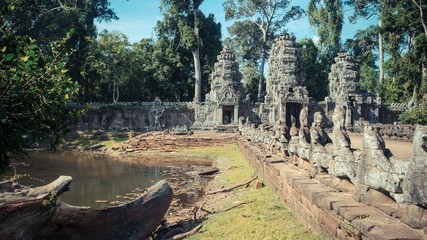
98	181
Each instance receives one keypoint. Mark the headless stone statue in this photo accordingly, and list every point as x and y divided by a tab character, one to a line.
320	143
304	136
293	143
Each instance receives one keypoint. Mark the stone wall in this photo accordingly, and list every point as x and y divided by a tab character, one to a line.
154	115
392	131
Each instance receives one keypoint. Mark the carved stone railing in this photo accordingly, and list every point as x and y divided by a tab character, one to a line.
372	170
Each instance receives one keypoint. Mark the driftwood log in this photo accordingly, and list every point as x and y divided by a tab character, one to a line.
24	211
36	213
133	220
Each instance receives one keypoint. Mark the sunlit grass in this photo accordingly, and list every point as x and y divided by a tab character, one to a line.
266	218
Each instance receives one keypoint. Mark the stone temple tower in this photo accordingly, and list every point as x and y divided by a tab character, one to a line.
344	88
286	94
343	79
222	103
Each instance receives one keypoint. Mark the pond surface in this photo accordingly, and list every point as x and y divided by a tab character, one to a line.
99	178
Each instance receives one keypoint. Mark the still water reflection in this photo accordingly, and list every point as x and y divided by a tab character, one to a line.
94	178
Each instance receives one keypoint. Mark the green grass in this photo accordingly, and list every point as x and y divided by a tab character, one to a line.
266	218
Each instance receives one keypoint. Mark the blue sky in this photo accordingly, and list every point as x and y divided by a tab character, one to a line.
137	19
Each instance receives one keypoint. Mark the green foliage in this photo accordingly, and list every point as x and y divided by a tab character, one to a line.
35	89
47	21
327	17
172	58
415	116
402	79
368	78
251	83
315	71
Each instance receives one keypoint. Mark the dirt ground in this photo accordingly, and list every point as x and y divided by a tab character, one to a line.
399	149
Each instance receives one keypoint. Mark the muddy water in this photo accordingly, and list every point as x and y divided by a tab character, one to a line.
104	179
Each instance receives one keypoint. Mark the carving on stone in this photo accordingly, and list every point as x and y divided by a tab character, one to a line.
377	169
343	79
157	110
293	142
320	143
343	164
285	80
304	136
226	91
104	122
416	181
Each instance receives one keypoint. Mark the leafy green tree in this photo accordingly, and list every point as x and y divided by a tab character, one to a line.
246	39
269	16
327	17
174	55
366	9
406	48
112	61
417	115
189	26
35	88
47	20
316	74
363	48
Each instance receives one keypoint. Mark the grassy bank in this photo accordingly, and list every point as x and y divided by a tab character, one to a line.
266	218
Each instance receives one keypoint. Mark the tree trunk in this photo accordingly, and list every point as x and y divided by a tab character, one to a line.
381	52
261	76
197	76
196	57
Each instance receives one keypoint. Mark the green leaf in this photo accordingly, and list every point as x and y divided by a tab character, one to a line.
9	57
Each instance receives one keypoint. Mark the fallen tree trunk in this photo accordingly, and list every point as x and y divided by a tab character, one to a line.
133	220
231	188
24	211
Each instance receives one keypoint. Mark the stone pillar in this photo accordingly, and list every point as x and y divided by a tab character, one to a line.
236	114
282	111
220	115
348	116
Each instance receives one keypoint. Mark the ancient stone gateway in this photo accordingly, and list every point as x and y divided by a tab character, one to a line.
286	95
224	102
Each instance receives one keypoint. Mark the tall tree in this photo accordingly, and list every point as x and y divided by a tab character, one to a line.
246	39
190	33
327	17
177	42
269	16
366	9
405	39
363	47
111	60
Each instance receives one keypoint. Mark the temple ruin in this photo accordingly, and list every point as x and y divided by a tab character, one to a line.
311	138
